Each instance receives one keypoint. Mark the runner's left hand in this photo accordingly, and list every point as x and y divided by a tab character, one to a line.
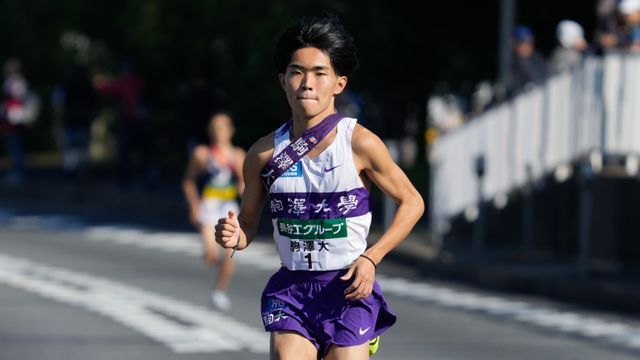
363	274
227	231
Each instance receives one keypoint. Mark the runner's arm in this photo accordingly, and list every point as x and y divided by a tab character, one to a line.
374	159
239	157
189	187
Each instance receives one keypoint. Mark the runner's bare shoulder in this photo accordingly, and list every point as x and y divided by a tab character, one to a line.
260	153
365	143
201	154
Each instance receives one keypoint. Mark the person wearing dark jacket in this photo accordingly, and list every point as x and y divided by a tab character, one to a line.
527	66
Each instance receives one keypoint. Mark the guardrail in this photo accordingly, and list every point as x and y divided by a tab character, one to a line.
580	114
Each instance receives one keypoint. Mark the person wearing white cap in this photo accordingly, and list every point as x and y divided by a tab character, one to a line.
630	10
571	46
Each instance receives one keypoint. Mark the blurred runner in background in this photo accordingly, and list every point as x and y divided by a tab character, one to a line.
220	166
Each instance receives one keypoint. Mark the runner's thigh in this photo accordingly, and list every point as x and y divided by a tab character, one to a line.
289	345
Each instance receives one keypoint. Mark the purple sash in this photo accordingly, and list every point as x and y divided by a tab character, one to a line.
297	149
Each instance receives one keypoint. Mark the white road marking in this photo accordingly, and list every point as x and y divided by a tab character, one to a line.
260	255
559	320
182	327
263	256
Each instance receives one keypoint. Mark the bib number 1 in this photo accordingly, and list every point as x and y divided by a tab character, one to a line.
308	257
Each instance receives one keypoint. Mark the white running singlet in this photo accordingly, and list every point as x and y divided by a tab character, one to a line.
219	193
320	207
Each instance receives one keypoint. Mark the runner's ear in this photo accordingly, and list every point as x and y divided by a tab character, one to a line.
340	85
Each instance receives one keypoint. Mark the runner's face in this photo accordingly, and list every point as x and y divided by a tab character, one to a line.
310	83
221	129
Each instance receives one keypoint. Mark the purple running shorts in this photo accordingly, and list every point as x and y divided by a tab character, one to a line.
312	304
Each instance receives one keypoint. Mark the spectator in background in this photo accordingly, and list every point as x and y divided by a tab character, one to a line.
630	11
483	96
634	41
74	102
133	122
445	112
18	108
571	46
527	65
607	29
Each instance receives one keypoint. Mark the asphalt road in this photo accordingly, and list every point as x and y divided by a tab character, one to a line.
73	288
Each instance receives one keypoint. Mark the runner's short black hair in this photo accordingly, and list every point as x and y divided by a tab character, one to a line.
220	111
325	33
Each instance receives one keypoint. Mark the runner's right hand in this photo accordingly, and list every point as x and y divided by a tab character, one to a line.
228	231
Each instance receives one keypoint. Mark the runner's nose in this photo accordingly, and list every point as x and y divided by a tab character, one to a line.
307	82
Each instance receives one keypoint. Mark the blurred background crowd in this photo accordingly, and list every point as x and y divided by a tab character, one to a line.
541	161
122	90
615	28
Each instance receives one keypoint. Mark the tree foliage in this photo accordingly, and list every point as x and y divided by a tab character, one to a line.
405	47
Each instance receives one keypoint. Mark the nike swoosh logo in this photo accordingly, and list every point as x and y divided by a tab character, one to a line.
331	168
267	174
363	331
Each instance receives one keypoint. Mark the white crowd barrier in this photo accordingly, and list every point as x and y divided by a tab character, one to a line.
593	107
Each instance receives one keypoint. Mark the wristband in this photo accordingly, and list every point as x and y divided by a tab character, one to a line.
375	266
235	247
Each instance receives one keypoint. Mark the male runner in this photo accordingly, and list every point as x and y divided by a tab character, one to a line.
220	163
316	170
